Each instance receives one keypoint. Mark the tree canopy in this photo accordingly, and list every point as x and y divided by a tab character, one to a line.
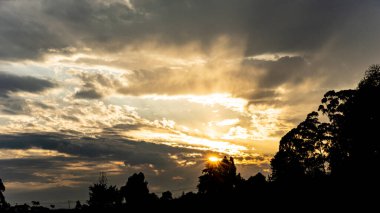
347	142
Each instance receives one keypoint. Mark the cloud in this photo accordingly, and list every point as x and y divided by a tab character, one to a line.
13	106
171	82
285	70
92	149
96	85
13	83
25	35
88	94
258	81
174	47
48	161
116	24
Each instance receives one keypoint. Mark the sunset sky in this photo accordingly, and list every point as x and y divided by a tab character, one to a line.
158	86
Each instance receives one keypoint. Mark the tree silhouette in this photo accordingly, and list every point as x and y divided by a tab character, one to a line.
136	189
303	151
35	203
3	203
166	196
218	177
348	142
354	120
258	180
358	133
337	106
78	205
102	195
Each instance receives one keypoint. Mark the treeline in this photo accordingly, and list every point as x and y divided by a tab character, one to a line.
330	160
219	187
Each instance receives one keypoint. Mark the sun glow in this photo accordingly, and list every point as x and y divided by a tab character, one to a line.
213	159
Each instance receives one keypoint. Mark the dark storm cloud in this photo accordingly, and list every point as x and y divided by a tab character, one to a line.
13	83
269	26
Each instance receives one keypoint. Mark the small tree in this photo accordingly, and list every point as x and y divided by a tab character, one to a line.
136	189
166	196
78	205
218	177
35	203
102	195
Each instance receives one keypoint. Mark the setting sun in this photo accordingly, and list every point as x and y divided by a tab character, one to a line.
213	159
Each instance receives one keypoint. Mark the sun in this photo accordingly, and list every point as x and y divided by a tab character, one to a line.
213	159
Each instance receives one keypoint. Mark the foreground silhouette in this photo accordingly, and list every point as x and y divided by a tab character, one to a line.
322	164
3	204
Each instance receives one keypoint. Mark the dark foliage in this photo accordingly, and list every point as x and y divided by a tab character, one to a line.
218	178
104	196
343	146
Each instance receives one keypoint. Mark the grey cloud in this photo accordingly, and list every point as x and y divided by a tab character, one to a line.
137	155
256	93
96	85
268	26
289	70
13	83
111	148
24	33
10	83
42	105
13	106
88	94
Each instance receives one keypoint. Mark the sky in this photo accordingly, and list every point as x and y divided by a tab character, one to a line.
158	86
